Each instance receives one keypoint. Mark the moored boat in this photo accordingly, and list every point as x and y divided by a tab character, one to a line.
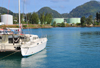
14	40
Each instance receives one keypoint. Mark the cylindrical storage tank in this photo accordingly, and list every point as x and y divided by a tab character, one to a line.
58	20
73	20
7	19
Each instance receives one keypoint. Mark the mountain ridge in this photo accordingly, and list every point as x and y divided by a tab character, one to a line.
86	9
5	11
49	10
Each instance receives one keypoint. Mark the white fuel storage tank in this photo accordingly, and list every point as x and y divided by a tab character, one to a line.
7	19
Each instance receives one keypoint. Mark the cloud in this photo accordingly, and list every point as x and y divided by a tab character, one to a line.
61	6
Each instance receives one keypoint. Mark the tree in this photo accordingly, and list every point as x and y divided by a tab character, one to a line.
22	17
62	24
34	18
98	16
46	18
54	24
49	18
42	18
29	17
89	20
0	18
83	21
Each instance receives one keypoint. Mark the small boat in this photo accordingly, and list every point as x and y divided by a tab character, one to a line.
13	40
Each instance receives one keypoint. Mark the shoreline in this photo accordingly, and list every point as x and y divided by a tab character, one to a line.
37	26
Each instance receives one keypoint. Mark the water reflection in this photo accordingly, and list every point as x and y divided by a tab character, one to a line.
34	60
89	43
90	39
17	61
12	61
90	33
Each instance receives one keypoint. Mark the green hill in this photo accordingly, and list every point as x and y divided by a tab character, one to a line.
89	8
65	15
49	10
5	11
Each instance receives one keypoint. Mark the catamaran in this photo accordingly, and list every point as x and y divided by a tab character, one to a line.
14	40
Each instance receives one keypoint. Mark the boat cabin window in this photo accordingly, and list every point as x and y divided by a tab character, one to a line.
1	32
35	38
21	37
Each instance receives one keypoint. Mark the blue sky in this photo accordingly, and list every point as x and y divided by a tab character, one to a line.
62	6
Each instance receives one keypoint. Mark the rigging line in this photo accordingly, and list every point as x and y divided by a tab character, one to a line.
8	6
27	23
24	8
2	3
8	12
15	10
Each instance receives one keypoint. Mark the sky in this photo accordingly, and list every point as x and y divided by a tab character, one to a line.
62	6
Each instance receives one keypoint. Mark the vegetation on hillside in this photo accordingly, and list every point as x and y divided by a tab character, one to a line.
5	11
87	9
54	13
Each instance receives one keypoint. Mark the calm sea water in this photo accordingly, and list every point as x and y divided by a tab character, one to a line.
71	47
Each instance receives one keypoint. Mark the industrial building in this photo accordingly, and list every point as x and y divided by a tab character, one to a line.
57	20
66	20
7	19
73	20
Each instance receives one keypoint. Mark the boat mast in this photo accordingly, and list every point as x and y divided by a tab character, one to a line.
19	17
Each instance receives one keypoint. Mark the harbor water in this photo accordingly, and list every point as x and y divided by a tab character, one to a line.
68	47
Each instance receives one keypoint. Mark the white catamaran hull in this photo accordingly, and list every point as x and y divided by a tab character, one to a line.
27	51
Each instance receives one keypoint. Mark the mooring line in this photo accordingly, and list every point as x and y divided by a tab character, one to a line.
8	55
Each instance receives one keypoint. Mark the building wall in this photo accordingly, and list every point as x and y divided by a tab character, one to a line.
57	20
7	19
73	20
